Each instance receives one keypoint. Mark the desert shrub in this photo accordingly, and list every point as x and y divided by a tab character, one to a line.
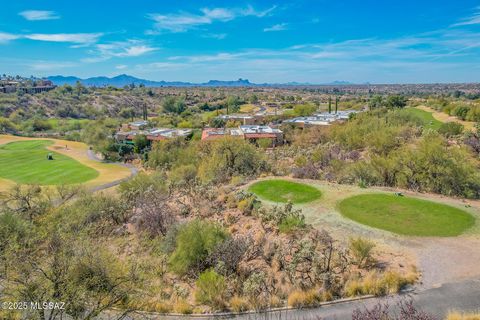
230	157
378	284
14	231
404	310
291	223
194	242
287	217
264	143
182	306
393	282
228	254
434	167
172	152
353	288
151	305
97	213
473	141
237	180
247	204
461	112
183	175
26	200
308	171
169	240
210	290
239	304
304	109
450	129
299	298
134	188
361	249
314	259
256	289
156	215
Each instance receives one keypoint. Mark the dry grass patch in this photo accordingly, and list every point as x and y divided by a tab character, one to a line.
455	315
239	304
378	284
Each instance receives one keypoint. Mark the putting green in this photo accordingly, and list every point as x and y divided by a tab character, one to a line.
26	162
406	216
283	191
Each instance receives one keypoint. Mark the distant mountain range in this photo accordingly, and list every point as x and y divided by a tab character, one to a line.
125	80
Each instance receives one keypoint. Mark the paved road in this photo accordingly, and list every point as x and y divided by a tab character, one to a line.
464	296
133	170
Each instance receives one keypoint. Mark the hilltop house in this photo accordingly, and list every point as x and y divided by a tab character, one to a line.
321	119
154	134
242	118
135	125
246	132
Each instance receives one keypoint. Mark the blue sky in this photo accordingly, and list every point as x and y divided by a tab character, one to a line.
265	41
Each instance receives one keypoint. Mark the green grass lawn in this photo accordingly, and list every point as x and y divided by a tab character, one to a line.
429	121
282	191
406	216
26	162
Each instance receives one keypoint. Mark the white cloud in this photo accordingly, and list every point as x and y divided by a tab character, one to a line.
471	20
5	37
183	21
413	58
218	36
121	67
50	65
37	15
276	27
208	58
135	51
120	49
77	38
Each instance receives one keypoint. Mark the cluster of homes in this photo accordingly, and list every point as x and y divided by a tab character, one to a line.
321	119
249	119
250	128
37	86
251	133
130	130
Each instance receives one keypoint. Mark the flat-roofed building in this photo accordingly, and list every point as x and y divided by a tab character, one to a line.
247	132
155	134
244	119
135	125
165	133
321	119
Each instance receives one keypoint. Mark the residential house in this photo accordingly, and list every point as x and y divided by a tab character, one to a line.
247	132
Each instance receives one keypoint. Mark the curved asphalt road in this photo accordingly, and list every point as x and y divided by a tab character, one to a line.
460	296
133	170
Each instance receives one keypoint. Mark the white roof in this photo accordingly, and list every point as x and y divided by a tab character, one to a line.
167	132
258	129
139	123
